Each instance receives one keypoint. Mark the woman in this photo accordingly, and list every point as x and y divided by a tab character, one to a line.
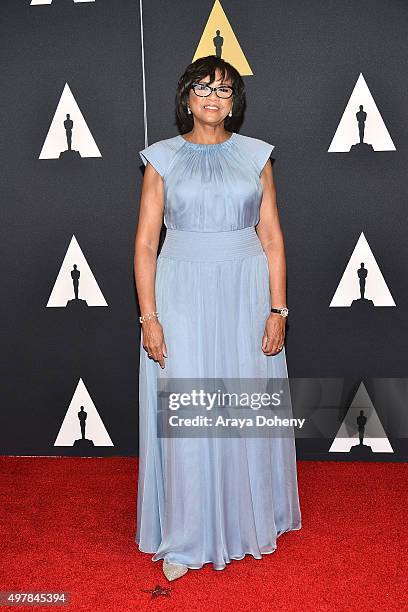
205	306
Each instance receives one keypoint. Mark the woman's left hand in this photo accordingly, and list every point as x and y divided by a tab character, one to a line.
274	334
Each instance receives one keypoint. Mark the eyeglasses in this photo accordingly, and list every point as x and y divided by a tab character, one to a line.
222	91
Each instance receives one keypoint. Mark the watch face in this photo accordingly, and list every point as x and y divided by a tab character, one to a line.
284	312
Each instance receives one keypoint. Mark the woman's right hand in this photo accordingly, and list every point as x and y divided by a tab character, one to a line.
153	340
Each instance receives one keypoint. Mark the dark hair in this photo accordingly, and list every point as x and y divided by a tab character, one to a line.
194	72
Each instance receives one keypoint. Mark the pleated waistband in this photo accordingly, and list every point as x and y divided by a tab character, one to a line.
211	246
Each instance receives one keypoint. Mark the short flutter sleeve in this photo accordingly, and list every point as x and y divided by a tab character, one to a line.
263	151
158	154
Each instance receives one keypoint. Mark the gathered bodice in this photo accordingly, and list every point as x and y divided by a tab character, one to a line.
210	187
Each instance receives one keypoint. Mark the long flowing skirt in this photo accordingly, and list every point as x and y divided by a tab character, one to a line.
212	499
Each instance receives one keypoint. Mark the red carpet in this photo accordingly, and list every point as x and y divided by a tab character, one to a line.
67	524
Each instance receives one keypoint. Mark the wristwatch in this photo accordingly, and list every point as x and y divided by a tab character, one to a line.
282	311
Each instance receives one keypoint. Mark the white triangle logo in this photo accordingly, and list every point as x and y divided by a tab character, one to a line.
69	137
82	426
75	285
362	284
361	414
361	127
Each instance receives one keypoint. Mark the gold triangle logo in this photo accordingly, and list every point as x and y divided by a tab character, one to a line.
219	39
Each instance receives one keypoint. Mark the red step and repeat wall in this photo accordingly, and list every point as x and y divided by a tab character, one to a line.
87	84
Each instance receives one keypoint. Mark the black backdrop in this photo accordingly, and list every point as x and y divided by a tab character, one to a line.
115	67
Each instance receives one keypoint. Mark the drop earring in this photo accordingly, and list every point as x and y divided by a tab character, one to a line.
188	110
230	113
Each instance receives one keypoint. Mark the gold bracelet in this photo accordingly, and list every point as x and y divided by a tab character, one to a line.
148	316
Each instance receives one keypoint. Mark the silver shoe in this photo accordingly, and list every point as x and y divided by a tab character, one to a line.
172	571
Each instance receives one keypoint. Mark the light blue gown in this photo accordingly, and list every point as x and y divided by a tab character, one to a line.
210	500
